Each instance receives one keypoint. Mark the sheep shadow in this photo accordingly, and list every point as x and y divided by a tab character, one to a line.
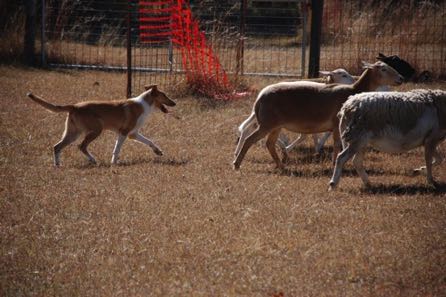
308	156
305	155
417	189
328	172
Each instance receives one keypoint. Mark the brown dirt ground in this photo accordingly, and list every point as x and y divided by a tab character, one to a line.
186	224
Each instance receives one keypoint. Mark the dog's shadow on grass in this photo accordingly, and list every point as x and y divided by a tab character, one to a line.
418	189
127	163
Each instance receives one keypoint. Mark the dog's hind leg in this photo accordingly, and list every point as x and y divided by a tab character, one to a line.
70	135
92	135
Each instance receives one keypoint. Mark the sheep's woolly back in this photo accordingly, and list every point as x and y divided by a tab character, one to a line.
373	111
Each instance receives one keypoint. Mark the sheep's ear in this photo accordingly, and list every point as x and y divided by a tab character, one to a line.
148	87
366	65
381	56
325	73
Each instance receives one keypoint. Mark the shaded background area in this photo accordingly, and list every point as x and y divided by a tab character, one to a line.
274	36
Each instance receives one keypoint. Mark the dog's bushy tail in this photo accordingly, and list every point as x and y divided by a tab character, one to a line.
48	105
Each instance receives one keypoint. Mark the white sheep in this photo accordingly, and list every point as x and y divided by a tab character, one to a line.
307	107
391	122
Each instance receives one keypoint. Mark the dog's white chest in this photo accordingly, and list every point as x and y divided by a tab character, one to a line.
147	109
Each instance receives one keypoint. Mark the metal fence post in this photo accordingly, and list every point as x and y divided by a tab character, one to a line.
317	7
241	43
304	9
30	35
42	36
129	49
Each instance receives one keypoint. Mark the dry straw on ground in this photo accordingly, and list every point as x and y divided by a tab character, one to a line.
186	224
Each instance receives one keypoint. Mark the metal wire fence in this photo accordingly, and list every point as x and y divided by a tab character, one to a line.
249	37
85	34
358	30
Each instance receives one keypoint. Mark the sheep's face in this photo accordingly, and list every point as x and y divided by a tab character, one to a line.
403	67
339	76
384	74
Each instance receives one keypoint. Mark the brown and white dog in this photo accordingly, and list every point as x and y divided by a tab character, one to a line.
124	117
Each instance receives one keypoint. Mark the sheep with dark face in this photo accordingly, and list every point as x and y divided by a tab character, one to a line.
403	67
391	122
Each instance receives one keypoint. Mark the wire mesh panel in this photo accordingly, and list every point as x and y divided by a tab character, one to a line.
221	39
226	37
171	40
275	37
245	37
86	33
358	30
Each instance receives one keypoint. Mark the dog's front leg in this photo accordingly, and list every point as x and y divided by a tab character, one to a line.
138	137
117	148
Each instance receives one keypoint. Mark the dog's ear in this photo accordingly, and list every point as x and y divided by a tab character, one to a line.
153	87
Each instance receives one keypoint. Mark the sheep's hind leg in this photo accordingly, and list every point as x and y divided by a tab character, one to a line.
319	144
343	157
248	129
438	159
337	144
429	151
357	162
297	141
271	145
258	134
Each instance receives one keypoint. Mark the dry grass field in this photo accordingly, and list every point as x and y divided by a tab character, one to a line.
186	224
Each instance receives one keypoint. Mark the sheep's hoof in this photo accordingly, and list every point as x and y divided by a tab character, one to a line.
331	186
236	166
92	161
158	152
